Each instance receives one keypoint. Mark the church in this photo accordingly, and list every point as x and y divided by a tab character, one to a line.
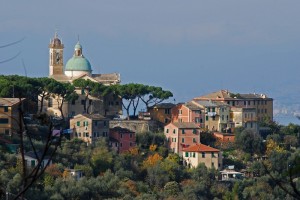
78	67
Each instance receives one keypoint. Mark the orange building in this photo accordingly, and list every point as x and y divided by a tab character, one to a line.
161	112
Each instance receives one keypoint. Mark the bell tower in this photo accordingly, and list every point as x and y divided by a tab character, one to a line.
56	51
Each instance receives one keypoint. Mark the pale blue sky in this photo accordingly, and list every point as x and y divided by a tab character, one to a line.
189	47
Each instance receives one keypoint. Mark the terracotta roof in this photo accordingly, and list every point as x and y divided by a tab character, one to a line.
200	148
9	101
191	125
221	94
107	78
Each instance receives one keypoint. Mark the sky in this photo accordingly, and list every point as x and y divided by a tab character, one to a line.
188	47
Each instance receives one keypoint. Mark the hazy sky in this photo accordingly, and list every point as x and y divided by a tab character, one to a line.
189	47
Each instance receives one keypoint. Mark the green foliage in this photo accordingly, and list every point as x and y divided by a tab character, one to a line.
249	141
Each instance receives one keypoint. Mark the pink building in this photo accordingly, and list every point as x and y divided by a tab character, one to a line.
121	139
181	135
188	112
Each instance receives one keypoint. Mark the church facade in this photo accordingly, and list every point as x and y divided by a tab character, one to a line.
78	67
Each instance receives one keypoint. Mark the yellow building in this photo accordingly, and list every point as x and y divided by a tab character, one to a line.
9	115
263	105
200	153
89	128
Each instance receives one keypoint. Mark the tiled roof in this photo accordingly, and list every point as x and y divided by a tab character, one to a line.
227	95
91	116
9	101
121	130
185	125
191	105
206	103
107	78
163	105
200	148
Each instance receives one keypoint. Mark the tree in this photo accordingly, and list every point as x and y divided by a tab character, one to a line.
249	141
152	95
63	92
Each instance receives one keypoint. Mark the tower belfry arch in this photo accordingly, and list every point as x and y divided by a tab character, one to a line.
56	51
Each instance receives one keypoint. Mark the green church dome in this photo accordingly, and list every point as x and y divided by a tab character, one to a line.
78	63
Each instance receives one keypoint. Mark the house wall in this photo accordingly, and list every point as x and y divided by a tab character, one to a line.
89	130
177	140
193	159
11	115
163	115
126	139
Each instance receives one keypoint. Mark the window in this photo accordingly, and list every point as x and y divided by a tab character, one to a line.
3	120
186	154
180	112
87	135
197	119
32	163
245	103
121	135
85	123
194	131
214	118
206	118
50	102
116	144
5	109
182	131
121	144
203	154
222	117
82	102
79	134
117	103
78	123
194	154
213	155
174	131
82	91
253	102
166	120
194	140
130	135
213	109
167	130
249	103
95	134
180	120
182	140
167	111
213	164
104	123
96	123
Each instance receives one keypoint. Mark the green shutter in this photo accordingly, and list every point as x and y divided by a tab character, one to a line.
78	123
186	154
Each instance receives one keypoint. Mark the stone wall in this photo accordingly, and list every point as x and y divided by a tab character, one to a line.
138	126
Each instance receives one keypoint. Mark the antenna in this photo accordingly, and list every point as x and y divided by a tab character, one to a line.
23	64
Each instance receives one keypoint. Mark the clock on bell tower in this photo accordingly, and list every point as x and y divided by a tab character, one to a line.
56	49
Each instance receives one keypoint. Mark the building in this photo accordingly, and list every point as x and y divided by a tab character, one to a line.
31	159
181	135
262	104
216	115
200	153
89	127
79	67
9	115
161	112
189	112
224	137
244	117
121	139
